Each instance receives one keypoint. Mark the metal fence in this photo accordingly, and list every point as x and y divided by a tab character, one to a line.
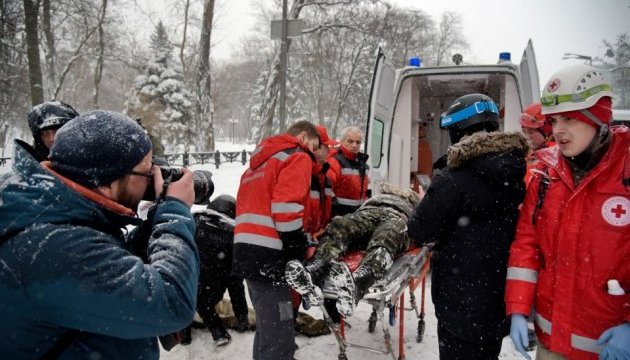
192	158
217	157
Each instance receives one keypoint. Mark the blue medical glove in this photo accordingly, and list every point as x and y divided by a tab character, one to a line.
616	343
518	334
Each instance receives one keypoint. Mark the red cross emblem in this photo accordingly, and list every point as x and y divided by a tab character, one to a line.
615	211
553	85
618	211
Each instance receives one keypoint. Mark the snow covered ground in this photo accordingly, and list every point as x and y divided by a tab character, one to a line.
226	180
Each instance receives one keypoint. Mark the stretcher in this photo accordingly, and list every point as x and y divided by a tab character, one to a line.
407	272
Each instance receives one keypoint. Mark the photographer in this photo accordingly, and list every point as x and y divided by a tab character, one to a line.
71	286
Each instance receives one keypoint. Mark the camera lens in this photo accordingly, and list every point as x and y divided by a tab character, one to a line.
202	181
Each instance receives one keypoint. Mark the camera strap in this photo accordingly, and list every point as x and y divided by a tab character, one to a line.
165	185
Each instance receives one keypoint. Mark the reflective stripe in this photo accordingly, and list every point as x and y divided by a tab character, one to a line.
349	202
255	219
256	151
314	194
281	156
329	192
286	208
258	240
585	344
289	225
350	171
543	324
253	177
519	273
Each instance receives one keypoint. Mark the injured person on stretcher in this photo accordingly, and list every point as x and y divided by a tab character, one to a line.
379	227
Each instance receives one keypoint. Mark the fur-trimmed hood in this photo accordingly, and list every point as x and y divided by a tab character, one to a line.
497	157
484	143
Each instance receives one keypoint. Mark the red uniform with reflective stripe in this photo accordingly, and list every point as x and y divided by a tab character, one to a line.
581	239
349	187
271	200
318	212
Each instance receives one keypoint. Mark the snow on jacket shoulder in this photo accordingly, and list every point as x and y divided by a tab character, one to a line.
270	207
560	261
66	265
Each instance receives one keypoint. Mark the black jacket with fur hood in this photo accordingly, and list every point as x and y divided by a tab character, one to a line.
470	213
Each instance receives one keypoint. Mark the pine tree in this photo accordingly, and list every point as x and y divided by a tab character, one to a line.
160	97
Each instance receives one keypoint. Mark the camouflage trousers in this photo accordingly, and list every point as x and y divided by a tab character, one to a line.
372	229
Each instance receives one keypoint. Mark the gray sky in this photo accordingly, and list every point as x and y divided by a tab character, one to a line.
491	26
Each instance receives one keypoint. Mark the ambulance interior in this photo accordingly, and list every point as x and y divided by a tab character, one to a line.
425	97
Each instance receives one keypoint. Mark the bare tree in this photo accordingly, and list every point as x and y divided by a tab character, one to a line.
183	44
268	107
203	115
450	36
49	48
14	83
31	12
98	69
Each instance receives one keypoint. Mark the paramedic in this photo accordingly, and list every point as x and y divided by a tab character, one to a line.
348	172
269	232
569	259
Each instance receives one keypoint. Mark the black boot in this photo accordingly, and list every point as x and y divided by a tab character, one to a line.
363	279
242	325
220	335
185	336
318	268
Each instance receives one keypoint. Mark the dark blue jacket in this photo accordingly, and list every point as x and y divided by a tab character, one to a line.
65	264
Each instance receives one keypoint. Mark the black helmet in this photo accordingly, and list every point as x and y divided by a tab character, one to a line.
224	204
470	114
52	114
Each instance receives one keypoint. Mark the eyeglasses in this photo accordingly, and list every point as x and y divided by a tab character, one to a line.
148	175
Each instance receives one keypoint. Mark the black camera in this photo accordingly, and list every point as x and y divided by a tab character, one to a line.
202	181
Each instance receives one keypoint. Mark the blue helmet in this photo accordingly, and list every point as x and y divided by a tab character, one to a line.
470	114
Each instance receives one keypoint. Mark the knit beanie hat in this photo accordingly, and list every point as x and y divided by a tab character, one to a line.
98	147
602	110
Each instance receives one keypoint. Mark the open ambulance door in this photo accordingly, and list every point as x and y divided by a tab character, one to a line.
530	84
379	123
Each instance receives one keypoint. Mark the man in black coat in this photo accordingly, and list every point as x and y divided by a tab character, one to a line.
470	212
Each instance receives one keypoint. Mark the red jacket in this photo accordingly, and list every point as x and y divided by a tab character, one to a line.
318	212
349	181
580	240
270	207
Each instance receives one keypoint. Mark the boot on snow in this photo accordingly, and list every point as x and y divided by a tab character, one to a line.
242	325
342	284
220	335
299	279
185	336
363	279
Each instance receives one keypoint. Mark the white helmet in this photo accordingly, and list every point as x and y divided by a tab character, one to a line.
576	87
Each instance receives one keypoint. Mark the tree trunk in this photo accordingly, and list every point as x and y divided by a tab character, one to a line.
183	46
50	46
203	116
268	107
31	10
98	71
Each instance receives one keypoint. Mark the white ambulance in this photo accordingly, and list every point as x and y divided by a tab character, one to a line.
403	134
